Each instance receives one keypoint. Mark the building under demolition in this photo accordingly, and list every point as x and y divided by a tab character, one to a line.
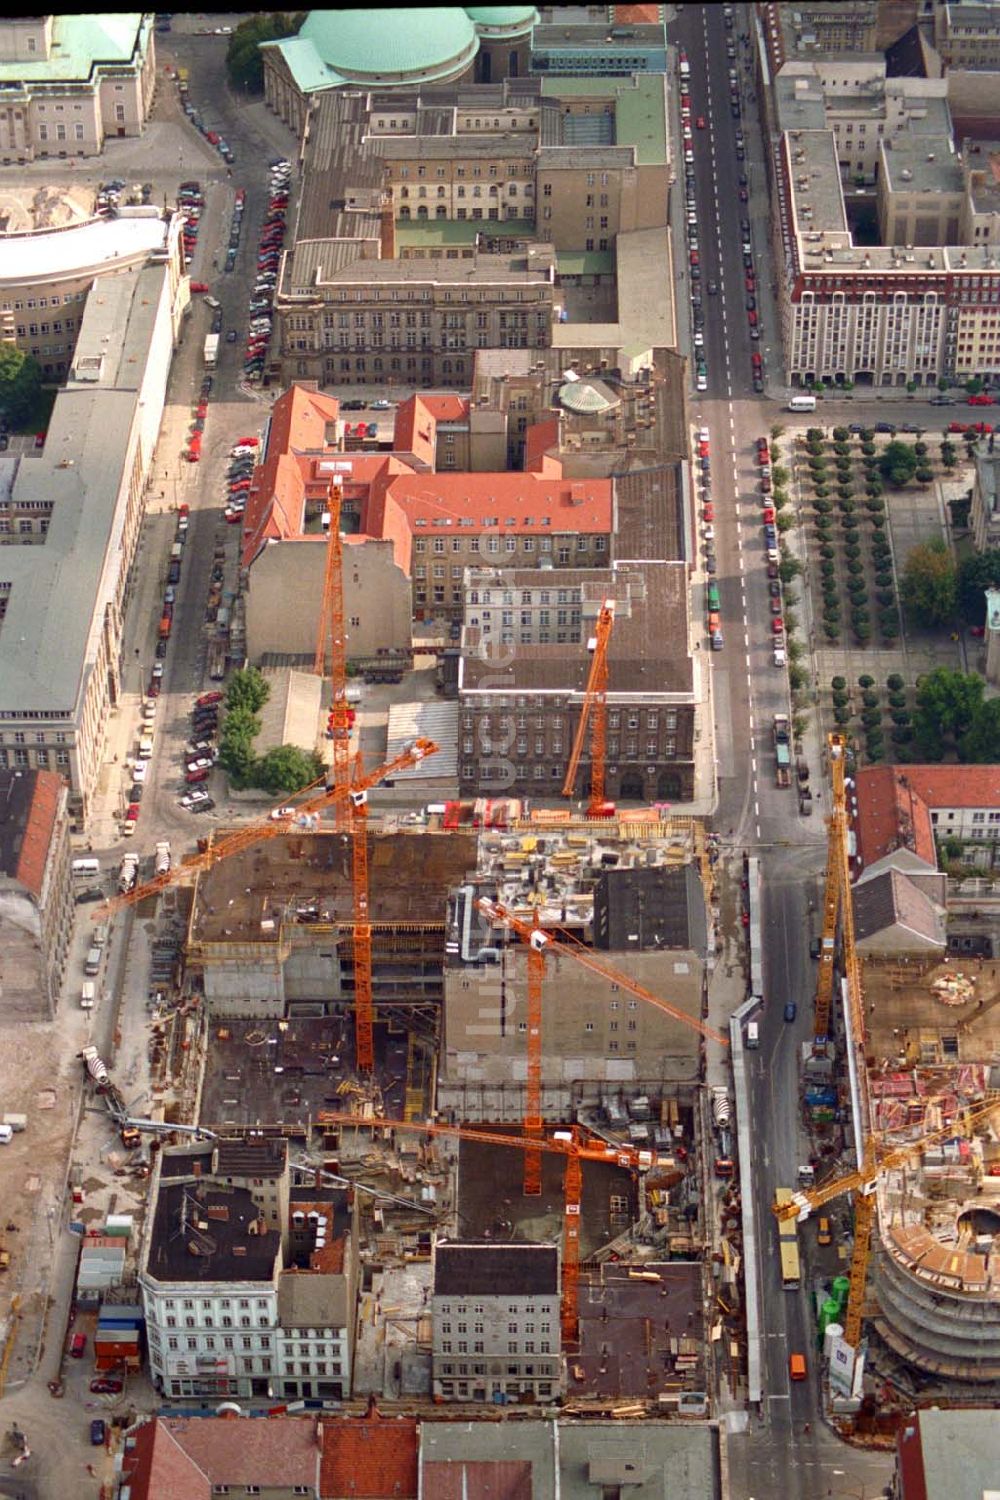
630	891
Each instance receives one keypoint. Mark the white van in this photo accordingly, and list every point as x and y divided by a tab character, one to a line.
88	995
753	1034
802	403
85	869
145	747
6	1135
92	965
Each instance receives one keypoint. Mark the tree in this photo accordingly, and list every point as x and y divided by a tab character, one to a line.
247	690
20	383
897	463
243	60
236	753
977	573
780	476
946	708
286	768
981	743
974	386
789	568
928	587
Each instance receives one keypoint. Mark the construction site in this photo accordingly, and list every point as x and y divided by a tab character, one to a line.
903	1080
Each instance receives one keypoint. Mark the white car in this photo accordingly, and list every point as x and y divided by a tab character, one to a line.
708	532
282	812
701	384
203	763
194	797
689	156
139	771
703	435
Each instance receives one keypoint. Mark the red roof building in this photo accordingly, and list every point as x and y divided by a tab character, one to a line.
909	807
370	1458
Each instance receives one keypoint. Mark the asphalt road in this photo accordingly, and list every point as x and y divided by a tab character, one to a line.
776	1456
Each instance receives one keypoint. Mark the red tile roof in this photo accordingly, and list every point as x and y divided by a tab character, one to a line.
540	437
478	1479
532	504
180	1458
417	419
369	1458
895	804
637	15
39	830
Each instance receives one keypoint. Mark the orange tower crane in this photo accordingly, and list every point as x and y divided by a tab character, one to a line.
304	816
571	1144
879	1157
595	708
837	904
332	634
559	941
364	1038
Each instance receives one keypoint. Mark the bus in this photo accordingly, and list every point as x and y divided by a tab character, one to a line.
791	1278
788	1244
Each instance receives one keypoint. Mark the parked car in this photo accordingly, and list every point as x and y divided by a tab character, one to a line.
106	1385
98	1432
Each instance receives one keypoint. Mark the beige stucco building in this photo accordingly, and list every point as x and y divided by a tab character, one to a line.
69	82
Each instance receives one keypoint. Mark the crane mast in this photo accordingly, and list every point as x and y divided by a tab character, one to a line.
594	712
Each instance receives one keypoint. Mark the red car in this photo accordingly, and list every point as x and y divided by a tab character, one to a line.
756	361
708	513
700	122
694	258
769	514
983	428
752	319
978	631
703	450
193	455
40	439
750	283
192	776
199	286
777	625
241	195
183	509
251	442
763	454
106	1385
212	137
205	700
981	400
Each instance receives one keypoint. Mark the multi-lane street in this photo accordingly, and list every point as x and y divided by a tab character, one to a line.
787	1449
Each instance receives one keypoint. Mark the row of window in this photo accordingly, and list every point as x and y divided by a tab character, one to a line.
513	169
21	759
555	721
528	1328
461	1388
513	1347
477	192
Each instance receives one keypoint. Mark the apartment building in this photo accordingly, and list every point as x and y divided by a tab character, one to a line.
984	514
495	1318
967	35
36	910
68	83
248	1282
523	673
46	276
69	529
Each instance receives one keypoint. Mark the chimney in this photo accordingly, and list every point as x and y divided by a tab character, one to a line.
318	1177
387	237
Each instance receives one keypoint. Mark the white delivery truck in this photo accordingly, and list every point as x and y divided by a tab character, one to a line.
802	403
87	995
211	350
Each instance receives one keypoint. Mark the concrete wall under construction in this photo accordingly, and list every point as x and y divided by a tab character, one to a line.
241	988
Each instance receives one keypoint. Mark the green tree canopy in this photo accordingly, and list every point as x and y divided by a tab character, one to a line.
236	753
247	689
981	744
928	586
20	383
243	60
975	574
947	705
897	463
286	769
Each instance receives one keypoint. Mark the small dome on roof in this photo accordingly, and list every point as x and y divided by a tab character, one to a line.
587	397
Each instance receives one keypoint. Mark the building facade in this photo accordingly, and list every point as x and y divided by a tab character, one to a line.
248	1283
520	695
496	1330
46	277
69	529
36	897
69	82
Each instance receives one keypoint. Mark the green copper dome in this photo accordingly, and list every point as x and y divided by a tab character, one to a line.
372	44
502	17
